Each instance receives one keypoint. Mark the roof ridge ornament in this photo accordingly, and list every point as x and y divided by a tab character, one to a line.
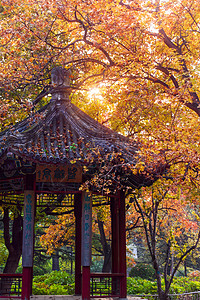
60	81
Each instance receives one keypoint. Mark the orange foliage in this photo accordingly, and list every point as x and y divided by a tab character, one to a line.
59	234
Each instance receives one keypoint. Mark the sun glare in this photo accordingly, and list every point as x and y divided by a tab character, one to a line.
95	93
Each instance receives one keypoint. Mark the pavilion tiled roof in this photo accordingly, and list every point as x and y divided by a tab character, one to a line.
61	132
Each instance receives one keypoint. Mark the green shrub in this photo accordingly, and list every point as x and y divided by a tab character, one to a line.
144	271
40	288
62	283
54	283
183	285
139	286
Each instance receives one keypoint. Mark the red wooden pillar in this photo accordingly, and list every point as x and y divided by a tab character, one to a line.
86	244
115	234
27	283
122	244
28	236
86	282
78	215
115	240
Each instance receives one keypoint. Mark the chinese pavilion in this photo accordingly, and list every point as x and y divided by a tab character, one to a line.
46	158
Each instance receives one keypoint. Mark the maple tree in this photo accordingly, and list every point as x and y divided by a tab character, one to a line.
144	56
61	232
170	225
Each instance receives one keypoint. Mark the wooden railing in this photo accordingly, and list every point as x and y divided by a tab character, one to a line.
105	284
10	285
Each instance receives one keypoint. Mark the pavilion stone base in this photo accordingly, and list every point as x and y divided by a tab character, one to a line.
55	297
61	297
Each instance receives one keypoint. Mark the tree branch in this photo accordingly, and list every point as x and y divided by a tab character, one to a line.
166	72
6	223
167	40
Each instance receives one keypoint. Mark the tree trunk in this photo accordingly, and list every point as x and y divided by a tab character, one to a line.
12	262
14	247
55	261
164	297
185	268
106	249
161	294
107	263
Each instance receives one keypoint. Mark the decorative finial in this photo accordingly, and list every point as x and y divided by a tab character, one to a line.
60	77
60	80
